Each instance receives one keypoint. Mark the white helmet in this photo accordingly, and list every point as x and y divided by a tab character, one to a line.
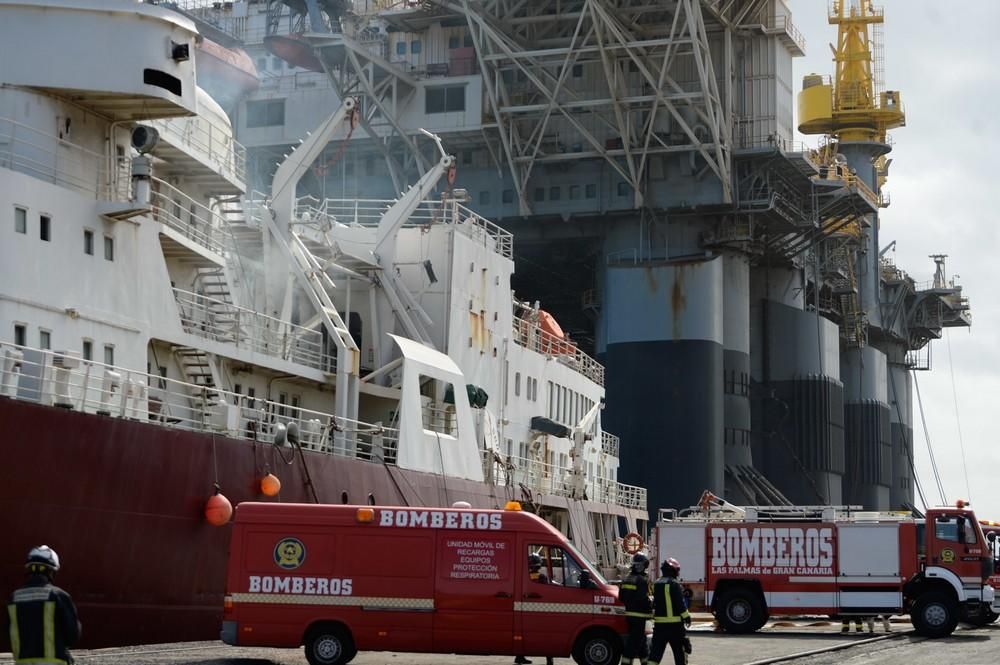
43	555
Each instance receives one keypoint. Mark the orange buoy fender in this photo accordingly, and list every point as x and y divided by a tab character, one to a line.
270	485
218	510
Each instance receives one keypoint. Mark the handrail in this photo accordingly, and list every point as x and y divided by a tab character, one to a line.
531	336
368	213
204	137
247	329
47	157
93	387
192	219
558	480
610	444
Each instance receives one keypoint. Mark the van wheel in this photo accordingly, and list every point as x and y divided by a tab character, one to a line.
934	614
329	644
597	648
740	611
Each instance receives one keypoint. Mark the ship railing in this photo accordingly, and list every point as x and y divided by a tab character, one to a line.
285	84
203	137
188	217
557	480
368	213
252	331
63	379
53	159
530	335
610	444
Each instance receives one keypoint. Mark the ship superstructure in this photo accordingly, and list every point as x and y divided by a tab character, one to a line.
732	280
165	328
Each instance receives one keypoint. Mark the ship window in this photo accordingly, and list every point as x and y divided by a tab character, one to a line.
508	196
591	191
282	400
623	188
551	402
539	193
88	349
20	334
400	48
445	99
574	192
88	242
276	64
45	227
44	339
467	41
439	414
262	64
466	157
517	384
109	248
109	354
415	46
266	113
20	220
510	447
554	194
162	80
453	41
577	71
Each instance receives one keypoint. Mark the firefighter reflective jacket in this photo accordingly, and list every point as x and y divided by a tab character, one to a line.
635	595
668	601
43	623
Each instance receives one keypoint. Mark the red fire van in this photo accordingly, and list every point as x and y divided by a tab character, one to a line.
339	579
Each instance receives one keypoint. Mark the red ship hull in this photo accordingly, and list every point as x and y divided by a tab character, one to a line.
122	503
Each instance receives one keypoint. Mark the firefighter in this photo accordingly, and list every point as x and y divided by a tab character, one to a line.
670	616
535	572
635	595
41	617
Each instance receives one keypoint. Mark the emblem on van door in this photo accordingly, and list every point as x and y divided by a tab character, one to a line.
289	553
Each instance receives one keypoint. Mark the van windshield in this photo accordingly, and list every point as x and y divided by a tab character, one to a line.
594	571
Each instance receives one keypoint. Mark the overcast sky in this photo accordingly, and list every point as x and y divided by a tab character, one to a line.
944	187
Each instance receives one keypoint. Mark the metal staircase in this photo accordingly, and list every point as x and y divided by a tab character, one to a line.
200	370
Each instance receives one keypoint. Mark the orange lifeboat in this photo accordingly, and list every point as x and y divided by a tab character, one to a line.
553	338
548	324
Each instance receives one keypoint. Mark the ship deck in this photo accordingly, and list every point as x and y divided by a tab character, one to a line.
816	642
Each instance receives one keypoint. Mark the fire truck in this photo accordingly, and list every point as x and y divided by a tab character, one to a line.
992	532
748	564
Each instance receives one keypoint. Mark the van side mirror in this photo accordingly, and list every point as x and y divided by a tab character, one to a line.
586	582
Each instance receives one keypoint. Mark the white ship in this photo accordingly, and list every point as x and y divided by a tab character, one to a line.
161	329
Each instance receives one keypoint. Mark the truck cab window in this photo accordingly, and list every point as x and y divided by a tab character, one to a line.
946	528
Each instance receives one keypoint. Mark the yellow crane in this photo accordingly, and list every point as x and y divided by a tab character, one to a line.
851	107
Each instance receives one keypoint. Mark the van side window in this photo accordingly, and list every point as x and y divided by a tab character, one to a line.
558	567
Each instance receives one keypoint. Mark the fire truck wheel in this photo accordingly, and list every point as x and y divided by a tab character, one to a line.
740	611
934	614
329	644
991	617
597	647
